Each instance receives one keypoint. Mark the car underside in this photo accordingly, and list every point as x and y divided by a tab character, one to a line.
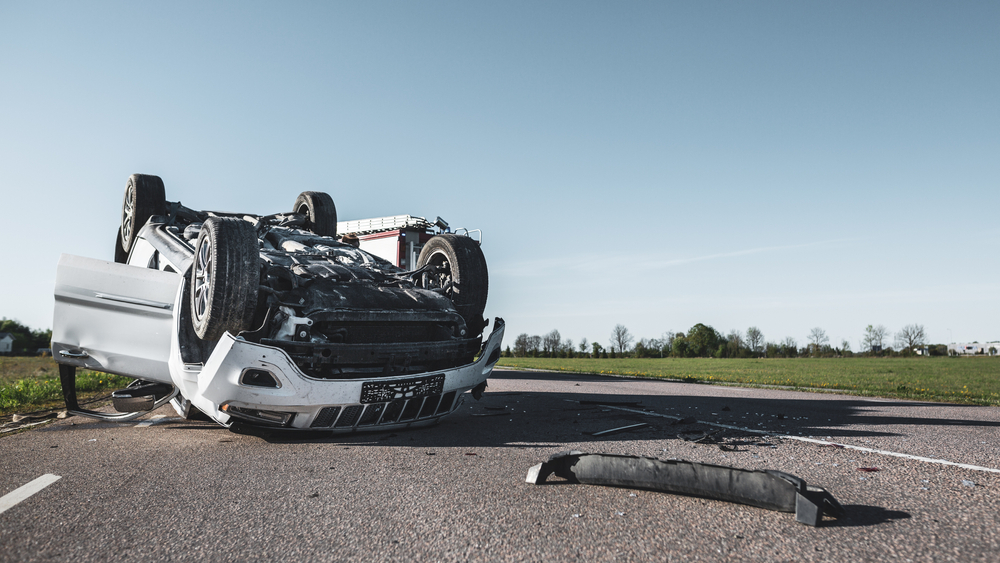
282	282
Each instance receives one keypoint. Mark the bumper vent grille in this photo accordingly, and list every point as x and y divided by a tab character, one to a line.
326	417
400	410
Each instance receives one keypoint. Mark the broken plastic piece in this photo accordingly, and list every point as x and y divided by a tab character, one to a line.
868	469
619	429
773	490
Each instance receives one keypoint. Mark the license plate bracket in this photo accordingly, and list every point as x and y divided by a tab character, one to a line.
384	391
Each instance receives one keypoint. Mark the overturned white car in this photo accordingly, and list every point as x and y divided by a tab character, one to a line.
273	321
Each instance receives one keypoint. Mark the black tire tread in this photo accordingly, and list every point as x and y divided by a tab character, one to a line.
470	275
149	196
320	211
235	279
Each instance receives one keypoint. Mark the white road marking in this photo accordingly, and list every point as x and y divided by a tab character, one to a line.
815	441
19	494
151	421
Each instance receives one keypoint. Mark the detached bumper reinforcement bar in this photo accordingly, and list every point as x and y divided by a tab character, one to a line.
773	490
67	377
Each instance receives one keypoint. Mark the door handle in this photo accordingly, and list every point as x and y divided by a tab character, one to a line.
73	354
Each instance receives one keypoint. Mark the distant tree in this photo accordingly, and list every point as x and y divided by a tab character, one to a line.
522	345
566	348
597	349
550	343
789	347
534	345
911	337
734	344
755	340
845	345
703	341
621	339
668	342
874	338
583	347
649	348
817	338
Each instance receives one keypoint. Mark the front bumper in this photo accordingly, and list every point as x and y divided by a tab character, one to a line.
220	389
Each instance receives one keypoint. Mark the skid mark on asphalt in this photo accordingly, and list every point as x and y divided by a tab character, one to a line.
815	441
24	492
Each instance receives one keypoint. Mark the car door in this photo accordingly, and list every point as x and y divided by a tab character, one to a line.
114	317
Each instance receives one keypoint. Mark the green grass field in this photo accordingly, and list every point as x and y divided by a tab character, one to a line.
974	381
32	383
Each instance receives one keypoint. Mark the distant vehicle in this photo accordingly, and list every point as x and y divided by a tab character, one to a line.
271	321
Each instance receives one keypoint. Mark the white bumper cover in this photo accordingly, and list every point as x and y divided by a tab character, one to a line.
304	403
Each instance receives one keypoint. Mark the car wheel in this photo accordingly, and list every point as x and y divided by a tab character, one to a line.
144	197
120	255
320	212
225	277
461	273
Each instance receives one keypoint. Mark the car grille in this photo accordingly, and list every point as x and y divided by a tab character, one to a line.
375	414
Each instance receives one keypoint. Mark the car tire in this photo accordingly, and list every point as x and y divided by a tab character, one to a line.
225	277
466	271
144	197
120	255
320	212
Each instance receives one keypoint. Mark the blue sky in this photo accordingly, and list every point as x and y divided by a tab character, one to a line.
787	165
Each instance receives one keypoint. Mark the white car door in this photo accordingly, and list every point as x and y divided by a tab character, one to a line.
114	317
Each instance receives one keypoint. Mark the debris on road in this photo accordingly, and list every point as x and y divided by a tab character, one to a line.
869	469
773	490
618	430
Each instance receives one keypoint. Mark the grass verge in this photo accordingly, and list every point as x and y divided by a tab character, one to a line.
973	381
31	383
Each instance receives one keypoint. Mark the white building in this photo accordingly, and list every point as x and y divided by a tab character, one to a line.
974	348
6	340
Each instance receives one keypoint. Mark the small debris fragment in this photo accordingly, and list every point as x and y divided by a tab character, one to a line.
868	469
470	453
619	429
968	483
726	409
685	420
576	516
314	495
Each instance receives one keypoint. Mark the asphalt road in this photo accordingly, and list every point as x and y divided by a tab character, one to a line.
181	491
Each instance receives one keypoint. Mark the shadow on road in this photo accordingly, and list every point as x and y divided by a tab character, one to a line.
864	515
544	419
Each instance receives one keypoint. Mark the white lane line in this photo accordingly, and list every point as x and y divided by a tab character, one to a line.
11	499
815	441
151	421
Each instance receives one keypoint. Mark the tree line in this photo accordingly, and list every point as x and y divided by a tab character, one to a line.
27	342
703	341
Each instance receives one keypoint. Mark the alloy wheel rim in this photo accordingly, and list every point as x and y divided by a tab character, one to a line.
202	279
127	212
